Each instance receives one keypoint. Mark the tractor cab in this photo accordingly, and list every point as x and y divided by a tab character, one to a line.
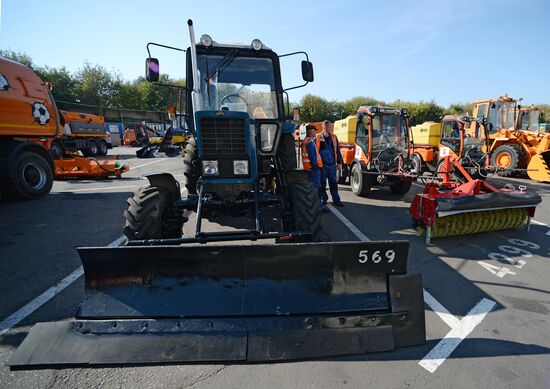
528	119
499	114
383	135
467	140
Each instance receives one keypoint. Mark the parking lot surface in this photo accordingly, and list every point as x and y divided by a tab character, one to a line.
487	295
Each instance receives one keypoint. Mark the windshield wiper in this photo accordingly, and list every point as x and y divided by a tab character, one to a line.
225	61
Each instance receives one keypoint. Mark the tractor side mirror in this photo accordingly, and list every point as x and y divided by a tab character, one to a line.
307	71
152	69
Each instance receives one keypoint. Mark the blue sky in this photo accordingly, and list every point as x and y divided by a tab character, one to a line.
448	51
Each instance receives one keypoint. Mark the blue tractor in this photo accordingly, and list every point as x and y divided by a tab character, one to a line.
242	155
165	298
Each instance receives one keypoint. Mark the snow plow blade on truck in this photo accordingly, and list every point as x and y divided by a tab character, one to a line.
206	303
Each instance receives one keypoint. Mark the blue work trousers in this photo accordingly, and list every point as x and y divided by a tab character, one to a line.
329	173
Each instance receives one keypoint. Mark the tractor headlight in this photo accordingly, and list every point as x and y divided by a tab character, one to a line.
240	168
257	44
210	168
206	40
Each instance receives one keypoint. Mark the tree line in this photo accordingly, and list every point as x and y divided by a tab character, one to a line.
95	85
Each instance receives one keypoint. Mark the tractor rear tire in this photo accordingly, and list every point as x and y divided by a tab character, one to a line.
360	182
401	187
150	215
103	148
191	166
287	152
306	210
508	156
33	178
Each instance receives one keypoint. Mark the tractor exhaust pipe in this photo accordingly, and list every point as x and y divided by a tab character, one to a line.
195	94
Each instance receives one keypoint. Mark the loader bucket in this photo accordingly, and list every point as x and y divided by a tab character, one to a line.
539	167
174	304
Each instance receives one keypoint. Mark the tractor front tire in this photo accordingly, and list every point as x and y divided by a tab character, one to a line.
508	156
360	182
306	210
150	215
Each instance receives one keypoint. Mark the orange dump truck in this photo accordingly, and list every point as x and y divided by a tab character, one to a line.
34	133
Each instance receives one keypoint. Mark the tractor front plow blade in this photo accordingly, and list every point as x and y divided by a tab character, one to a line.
171	304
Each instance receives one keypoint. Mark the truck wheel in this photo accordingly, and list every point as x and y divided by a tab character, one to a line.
508	156
103	148
360	182
33	177
92	150
57	151
150	215
401	187
190	166
306	211
417	164
286	152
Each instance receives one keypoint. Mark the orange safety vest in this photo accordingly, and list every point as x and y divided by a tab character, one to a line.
306	162
334	144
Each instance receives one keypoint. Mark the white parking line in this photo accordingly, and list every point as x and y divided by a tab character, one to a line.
148	163
460	328
539	223
348	224
105	188
19	315
456	335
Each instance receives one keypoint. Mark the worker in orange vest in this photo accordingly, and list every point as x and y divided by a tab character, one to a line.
311	160
329	149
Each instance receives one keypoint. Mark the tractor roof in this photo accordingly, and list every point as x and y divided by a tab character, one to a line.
371	110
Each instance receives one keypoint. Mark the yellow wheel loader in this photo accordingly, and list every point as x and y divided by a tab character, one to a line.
513	148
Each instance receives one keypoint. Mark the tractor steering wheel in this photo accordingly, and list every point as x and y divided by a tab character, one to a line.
226	97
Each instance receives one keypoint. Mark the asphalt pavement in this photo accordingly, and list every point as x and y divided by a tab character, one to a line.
487	295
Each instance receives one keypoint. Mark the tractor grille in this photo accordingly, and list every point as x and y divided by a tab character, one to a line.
222	137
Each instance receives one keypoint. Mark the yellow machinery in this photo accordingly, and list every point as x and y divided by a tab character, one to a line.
344	129
514	148
427	133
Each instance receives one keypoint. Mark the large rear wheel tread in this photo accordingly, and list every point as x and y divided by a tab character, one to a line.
304	200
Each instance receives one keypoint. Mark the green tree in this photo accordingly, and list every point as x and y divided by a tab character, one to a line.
17	57
314	108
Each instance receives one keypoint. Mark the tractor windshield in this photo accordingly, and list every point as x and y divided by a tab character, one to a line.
389	130
502	115
245	84
529	120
